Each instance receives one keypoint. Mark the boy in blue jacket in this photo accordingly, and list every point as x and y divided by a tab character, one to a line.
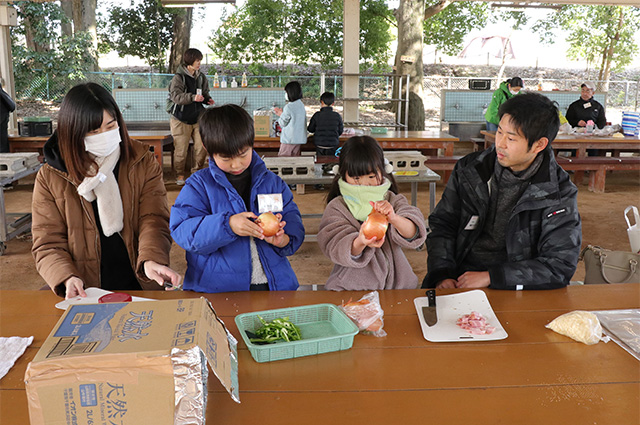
213	216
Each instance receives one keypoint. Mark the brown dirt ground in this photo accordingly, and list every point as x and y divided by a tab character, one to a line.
602	224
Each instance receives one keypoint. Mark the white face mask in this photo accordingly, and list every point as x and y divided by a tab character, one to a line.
103	144
513	92
286	96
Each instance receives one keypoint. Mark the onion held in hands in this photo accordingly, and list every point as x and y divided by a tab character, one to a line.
269	223
375	225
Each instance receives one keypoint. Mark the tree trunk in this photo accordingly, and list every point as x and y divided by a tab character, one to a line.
67	8
410	42
181	38
30	40
84	20
607	59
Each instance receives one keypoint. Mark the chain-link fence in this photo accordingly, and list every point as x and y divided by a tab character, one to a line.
619	93
624	94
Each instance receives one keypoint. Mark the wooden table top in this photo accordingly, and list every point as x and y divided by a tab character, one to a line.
581	138
535	376
142	135
390	136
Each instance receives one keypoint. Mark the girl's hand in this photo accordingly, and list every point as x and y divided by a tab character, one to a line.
280	239
74	287
361	242
162	274
242	224
384	207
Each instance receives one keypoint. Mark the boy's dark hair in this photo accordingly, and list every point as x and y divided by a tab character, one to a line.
515	82
294	91
533	114
226	130
327	98
359	156
191	55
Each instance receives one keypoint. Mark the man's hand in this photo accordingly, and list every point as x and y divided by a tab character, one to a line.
162	274
74	287
198	98
474	280
211	102
447	284
582	123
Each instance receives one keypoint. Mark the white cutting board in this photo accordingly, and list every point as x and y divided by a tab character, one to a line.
93	295
449	309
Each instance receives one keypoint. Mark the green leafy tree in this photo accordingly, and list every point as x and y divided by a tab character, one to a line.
602	35
299	30
145	30
40	51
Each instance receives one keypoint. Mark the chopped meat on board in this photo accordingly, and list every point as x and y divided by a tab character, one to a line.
475	323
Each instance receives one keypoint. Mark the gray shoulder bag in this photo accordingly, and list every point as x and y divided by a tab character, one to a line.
606	266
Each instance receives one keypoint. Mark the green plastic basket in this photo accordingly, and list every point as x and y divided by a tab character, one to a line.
324	328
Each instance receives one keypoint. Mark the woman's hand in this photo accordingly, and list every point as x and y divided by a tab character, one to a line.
277	111
74	287
162	274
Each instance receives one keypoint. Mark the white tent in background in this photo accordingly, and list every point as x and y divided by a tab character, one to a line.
496	46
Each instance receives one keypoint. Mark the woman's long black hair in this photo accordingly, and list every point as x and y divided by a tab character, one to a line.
360	155
81	112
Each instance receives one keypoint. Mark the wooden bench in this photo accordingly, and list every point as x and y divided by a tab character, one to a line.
598	167
442	163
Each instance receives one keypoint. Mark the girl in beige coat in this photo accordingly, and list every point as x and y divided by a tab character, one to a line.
100	211
363	183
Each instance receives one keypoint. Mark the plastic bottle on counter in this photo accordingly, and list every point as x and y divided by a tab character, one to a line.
244	79
216	81
223	83
234	83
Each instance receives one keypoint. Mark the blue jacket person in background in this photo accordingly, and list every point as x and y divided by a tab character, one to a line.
508	218
213	216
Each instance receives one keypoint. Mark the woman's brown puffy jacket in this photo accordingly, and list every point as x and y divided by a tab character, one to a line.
66	240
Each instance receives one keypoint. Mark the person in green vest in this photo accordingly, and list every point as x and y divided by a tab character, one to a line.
506	91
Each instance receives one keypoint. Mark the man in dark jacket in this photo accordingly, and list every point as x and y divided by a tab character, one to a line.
508	218
327	126
586	108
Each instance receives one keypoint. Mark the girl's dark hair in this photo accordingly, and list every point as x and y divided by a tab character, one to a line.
360	155
226	130
81	112
294	91
515	82
191	55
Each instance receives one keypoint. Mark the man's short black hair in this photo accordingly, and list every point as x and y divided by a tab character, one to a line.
191	55
533	114
294	91
327	98
226	130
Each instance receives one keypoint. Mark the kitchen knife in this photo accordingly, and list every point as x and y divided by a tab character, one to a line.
429	313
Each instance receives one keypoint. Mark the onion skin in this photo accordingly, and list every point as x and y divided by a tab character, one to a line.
269	223
375	225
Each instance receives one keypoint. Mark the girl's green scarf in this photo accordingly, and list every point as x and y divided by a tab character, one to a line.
357	197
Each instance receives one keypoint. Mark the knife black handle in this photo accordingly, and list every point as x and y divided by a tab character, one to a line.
431	297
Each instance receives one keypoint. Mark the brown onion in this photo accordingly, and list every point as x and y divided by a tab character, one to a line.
269	223
375	225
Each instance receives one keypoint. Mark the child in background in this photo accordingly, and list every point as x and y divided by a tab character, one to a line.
363	182
327	126
213	216
506	91
293	121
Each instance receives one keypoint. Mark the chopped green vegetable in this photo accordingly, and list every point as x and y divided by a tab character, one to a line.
281	329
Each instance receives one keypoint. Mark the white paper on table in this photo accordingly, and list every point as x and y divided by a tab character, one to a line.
11	349
93	295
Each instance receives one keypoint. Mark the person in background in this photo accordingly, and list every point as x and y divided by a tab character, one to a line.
100	210
327	126
586	108
293	121
7	105
362	184
213	216
189	91
506	91
508	217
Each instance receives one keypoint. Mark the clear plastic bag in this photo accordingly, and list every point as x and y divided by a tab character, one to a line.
581	326
623	326
367	314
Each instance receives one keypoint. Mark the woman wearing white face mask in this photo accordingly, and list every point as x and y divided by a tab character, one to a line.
100	211
506	91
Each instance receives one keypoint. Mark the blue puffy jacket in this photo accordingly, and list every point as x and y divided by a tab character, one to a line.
218	260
